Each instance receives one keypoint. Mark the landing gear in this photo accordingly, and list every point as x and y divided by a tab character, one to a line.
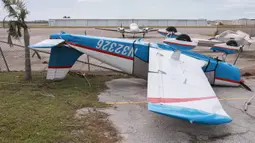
248	103
183	37
232	43
143	35
123	35
171	29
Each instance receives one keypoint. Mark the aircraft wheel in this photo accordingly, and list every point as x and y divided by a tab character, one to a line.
123	35
171	29
183	37
232	43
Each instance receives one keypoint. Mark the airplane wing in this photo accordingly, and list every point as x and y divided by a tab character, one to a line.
177	87
149	30
107	29
140	30
129	31
242	34
246	36
152	29
206	41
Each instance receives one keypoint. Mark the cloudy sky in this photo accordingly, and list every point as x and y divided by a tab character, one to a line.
175	9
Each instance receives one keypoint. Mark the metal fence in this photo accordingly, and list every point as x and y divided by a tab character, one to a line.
126	22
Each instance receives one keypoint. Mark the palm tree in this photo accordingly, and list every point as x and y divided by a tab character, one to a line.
17	13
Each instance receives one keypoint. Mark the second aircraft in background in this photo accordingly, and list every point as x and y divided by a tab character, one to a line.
133	29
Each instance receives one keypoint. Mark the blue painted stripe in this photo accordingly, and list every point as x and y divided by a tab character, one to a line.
227	51
121	47
196	116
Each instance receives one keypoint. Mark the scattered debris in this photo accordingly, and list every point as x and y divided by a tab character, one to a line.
48	95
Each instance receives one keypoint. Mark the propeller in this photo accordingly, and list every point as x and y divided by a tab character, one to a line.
121	28
146	29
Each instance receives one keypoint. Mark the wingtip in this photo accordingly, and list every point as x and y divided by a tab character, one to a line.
188	114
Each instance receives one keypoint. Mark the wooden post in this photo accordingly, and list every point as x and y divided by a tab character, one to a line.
2	53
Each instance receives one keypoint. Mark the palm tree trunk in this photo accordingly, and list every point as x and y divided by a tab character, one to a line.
28	75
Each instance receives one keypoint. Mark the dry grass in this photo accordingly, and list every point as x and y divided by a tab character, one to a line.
43	111
95	128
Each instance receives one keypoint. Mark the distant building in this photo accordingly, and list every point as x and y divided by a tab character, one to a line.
126	22
243	21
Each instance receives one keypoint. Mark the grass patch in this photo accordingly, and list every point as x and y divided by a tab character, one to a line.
43	111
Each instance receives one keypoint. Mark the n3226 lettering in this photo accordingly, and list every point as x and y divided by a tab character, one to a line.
116	48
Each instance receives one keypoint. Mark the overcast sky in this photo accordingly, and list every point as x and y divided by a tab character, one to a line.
172	9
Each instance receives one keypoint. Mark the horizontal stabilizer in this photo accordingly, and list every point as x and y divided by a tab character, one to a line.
225	48
206	41
179	44
49	43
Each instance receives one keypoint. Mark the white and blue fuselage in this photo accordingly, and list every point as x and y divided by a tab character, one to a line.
132	57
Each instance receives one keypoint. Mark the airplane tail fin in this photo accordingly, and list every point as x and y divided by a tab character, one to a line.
62	58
